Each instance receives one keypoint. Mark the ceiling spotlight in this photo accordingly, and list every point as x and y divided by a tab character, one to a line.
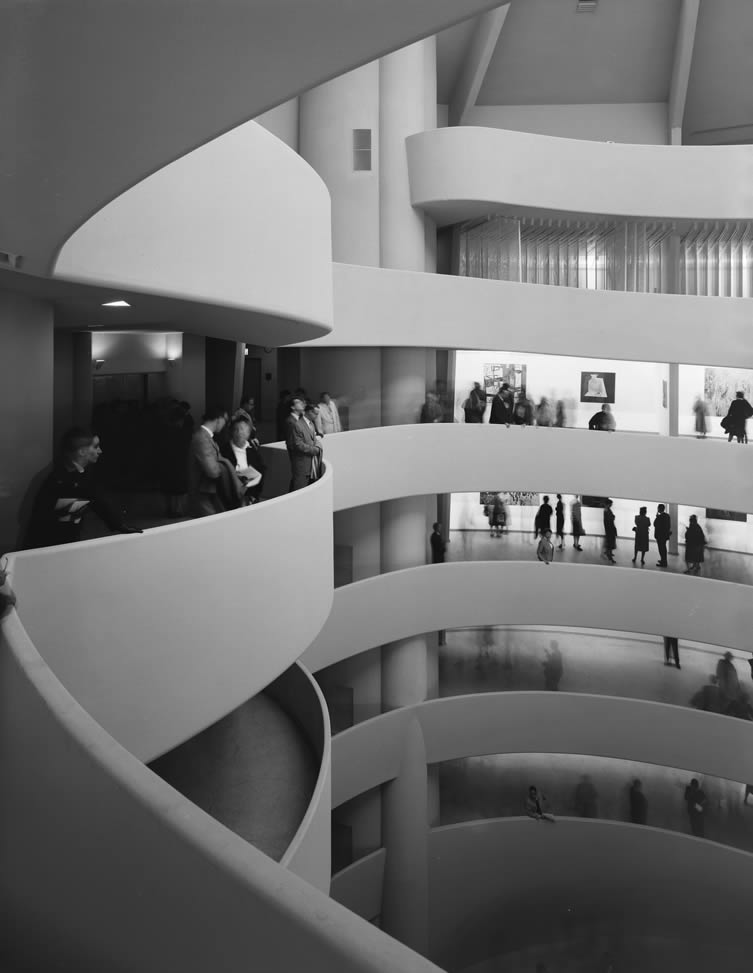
116	304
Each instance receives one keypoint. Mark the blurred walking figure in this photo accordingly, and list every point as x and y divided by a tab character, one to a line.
431	410
553	667
610	533
536	806
522	414
699	408
726	674
474	406
709	698
638	803
560	416
438	544
696	801
576	521
586	798
544	415
498	519
545	550
695	542
559	521
739	412
642	525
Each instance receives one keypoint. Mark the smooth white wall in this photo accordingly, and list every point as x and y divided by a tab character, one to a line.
638	122
395	308
240	222
166	614
458	595
134	351
459	173
328	115
399	461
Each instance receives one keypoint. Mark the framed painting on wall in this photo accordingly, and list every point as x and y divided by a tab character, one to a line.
597	387
720	386
495	374
714	514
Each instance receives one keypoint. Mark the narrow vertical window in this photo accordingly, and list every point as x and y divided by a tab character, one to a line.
361	149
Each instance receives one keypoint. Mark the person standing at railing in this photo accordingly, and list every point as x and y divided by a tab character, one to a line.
68	493
695	542
696	802
603	421
329	414
641	529
304	449
576	521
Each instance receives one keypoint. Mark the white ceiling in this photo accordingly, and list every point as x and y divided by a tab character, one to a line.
549	54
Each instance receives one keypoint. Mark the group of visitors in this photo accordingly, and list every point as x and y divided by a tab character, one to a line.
508	409
537	806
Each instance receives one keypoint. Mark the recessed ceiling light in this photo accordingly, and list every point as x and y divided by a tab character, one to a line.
116	304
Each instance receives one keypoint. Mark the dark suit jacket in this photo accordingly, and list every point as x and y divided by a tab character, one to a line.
203	463
302	446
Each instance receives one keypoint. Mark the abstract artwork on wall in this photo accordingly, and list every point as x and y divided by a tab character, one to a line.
495	375
597	387
720	386
713	514
515	498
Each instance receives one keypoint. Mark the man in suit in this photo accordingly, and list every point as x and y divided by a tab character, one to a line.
662	533
303	445
502	403
67	494
204	470
239	451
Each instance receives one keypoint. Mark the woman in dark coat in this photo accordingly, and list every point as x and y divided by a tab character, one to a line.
641	529
559	520
695	541
610	533
740	411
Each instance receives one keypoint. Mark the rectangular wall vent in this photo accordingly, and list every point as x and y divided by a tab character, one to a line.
11	260
361	149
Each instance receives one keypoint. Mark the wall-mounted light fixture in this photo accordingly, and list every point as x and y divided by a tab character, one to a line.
170	362
116	304
98	363
245	350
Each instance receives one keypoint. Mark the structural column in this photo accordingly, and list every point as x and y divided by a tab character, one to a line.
673	392
405	891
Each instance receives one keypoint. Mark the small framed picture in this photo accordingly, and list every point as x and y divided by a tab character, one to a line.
597	387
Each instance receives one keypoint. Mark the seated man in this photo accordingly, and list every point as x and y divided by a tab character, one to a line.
68	492
535	806
303	446
240	453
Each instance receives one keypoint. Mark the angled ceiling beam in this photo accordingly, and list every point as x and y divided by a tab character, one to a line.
678	89
475	64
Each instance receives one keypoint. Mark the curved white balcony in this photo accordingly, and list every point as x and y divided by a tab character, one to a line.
240	224
461	173
369	753
387	462
487	896
400	604
149	633
397	308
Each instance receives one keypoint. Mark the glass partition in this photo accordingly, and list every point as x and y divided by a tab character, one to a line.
710	259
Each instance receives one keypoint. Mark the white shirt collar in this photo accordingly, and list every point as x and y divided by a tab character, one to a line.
207	431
